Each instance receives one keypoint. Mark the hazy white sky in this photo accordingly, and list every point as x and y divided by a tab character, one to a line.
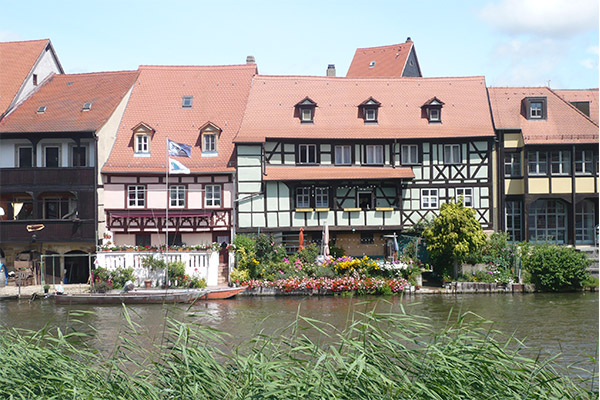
510	42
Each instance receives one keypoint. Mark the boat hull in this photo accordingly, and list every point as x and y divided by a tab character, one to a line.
141	297
219	294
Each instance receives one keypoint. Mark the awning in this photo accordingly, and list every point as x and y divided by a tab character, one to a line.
300	173
158	213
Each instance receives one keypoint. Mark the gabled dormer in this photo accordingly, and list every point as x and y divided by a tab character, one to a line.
142	137
305	110
209	139
432	110
534	108
369	110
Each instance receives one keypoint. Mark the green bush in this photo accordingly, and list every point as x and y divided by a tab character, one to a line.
121	275
555	268
239	275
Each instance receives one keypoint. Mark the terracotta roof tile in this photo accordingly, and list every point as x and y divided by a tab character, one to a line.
16	62
270	109
301	173
589	95
219	97
386	61
64	96
563	124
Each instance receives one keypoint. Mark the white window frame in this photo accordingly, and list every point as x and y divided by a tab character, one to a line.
374	154
430	199
584	165
212	196
536	112
187	101
321	197
563	164
370	114
138	200
306	114
341	150
303	197
467	196
537	163
177	196
18	160
514	165
142	143
449	156
407	156
514	220
305	148
434	115
48	146
208	147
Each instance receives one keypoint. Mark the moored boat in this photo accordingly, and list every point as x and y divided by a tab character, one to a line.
171	296
223	293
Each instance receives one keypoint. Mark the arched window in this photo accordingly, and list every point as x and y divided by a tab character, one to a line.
585	220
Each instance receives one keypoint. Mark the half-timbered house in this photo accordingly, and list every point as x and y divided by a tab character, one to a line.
368	156
548	166
197	106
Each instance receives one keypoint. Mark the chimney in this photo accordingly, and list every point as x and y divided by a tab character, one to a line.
250	60
330	70
408	39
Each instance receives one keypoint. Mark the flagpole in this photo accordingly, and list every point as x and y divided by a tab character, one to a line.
167	218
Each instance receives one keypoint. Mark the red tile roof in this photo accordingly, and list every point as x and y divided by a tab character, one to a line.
270	109
390	61
301	173
589	95
64	97
219	96
563	124
17	59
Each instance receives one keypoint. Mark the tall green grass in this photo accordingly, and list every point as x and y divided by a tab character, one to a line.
376	356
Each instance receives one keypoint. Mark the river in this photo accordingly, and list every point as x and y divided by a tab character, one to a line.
565	323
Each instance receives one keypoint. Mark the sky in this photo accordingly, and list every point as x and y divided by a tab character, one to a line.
510	42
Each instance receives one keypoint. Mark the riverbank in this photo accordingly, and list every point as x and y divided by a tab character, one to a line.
25	292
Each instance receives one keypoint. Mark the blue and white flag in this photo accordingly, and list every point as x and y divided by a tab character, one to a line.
175	167
179	149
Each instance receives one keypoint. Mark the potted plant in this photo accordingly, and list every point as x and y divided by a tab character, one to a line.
46	288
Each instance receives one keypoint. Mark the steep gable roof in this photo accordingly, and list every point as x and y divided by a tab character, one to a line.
17	59
220	94
564	124
64	97
589	95
270	109
384	61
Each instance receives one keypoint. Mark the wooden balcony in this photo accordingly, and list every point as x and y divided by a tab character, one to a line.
58	230
14	179
154	220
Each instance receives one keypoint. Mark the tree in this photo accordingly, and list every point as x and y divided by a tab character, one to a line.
455	234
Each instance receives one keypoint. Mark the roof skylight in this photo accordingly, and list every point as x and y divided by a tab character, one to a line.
41	110
87	107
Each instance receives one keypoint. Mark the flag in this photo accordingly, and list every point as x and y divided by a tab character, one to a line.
175	167
179	149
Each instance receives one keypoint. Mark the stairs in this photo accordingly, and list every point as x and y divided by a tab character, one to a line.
223	275
592	253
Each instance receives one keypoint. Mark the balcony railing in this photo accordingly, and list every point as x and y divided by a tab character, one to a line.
193	220
70	230
46	176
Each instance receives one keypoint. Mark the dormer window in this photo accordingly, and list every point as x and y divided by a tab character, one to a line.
432	110
305	110
187	101
141	139
210	138
368	109
535	107
86	107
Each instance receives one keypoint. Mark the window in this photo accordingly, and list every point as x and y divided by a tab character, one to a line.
371	114
410	154
86	107
212	196
434	114
177	196
175	239
466	194
583	106
25	155
79	156
365	200
306	114
429	199
560	162
187	101
512	165
305	110
548	221
343	155
142	144
41	110
35	79
210	143
59	208
584	160
366	238
374	154
322	197
452	154
51	156
537	163
513	220
585	220
302	197
22	209
368	109
371	64
142	239
535	109
432	109
307	154
136	196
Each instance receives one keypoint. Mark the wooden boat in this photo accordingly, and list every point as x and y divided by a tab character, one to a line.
223	293
171	296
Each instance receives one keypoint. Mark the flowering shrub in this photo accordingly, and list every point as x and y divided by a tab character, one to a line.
361	284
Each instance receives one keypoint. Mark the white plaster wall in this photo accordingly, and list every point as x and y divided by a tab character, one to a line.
47	65
114	196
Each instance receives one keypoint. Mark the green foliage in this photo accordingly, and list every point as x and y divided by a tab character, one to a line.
590	282
555	268
239	275
335	251
419	228
455	234
154	263
309	253
121	275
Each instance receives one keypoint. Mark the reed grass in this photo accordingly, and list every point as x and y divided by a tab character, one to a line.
377	355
